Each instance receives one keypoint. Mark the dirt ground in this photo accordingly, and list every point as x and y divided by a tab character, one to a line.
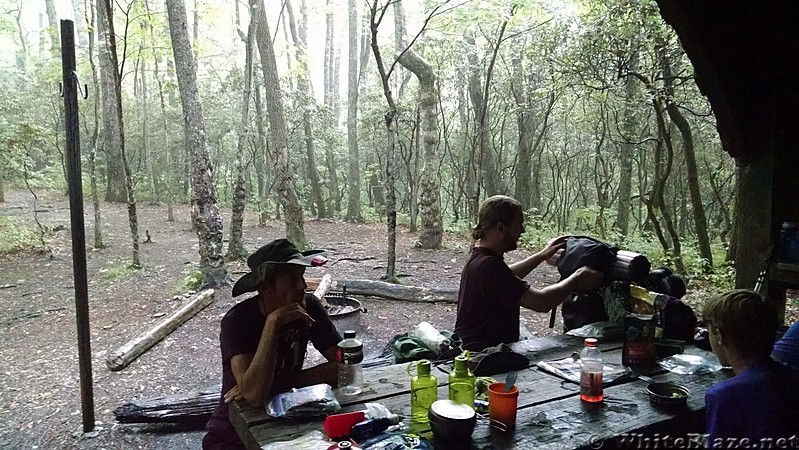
40	400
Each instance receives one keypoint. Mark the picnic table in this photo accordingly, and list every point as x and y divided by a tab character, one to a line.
550	412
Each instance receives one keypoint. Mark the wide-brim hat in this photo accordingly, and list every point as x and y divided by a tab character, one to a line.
279	251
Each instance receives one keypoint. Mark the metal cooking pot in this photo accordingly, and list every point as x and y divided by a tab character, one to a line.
668	394
351	318
451	421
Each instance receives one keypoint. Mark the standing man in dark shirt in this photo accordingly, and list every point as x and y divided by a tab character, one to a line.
492	291
264	338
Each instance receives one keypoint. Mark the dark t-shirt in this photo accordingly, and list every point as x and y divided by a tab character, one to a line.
241	331
759	403
488	300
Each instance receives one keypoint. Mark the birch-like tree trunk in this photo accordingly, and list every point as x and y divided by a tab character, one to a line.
204	211
287	193
236	248
429	203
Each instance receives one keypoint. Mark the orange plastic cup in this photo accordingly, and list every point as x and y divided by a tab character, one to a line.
502	405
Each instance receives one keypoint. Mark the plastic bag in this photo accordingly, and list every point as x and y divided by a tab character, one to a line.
690	364
307	401
601	330
312	441
430	337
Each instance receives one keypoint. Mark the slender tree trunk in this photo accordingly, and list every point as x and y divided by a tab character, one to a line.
112	141
98	223
627	149
277	123
114	127
698	209
79	10
261	159
236	248
330	98
391	131
145	117
204	211
299	36
354	178
663	167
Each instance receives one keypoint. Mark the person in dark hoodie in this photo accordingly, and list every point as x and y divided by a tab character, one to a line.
760	403
263	338
491	291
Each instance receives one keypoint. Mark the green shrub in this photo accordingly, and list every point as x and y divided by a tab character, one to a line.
15	237
117	271
191	282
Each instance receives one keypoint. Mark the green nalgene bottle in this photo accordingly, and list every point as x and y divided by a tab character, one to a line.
424	391
461	381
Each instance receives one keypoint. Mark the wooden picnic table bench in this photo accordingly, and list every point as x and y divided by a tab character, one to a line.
550	412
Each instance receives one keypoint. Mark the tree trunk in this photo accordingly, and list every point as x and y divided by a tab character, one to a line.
52	28
116	129
112	141
79	10
354	177
663	166
698	209
155	193
236	250
307	98
330	99
98	228
277	124
627	149
391	131
204	211
429	202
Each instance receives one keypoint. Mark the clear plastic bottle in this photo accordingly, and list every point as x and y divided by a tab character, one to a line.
461	381
350	357
424	391
591	373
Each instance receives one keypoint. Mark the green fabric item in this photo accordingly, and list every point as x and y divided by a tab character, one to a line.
408	348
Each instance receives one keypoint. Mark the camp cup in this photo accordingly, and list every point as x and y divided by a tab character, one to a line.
502	405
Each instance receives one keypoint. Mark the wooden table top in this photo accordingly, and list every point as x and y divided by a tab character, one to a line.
550	413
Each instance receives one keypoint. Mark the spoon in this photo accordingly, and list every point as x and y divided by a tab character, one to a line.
646	379
510	380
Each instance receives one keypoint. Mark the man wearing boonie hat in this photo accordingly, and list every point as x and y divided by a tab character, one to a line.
263	338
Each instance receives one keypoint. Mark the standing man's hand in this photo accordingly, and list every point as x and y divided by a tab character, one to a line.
553	246
586	279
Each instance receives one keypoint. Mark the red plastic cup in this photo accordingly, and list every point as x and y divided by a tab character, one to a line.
502	405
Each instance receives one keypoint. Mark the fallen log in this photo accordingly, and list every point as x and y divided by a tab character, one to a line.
397	291
194	408
127	353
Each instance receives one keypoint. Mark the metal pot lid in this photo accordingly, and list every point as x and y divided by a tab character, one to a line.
452	410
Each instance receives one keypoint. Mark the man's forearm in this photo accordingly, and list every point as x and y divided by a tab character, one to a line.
543	300
323	373
523	268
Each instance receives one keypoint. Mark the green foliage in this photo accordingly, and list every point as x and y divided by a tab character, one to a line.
15	237
121	270
191	282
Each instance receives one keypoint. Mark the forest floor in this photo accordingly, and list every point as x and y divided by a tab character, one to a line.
40	399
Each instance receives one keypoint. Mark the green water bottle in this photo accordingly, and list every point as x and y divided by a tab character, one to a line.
424	391
461	381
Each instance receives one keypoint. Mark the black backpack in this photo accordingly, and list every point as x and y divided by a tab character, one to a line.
582	308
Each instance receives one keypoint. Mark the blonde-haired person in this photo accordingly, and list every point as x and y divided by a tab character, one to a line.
760	402
491	291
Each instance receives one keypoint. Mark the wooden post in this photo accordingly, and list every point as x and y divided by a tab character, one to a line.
70	92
